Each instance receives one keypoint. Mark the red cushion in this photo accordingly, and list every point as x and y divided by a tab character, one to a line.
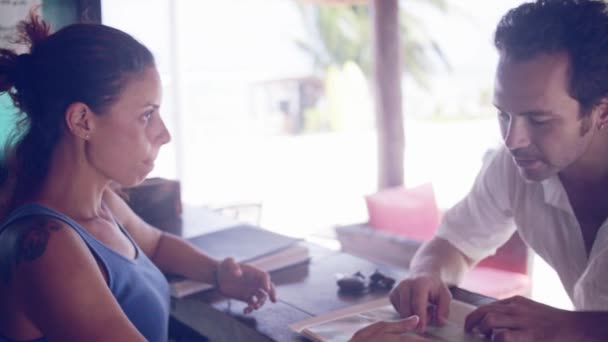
512	256
412	213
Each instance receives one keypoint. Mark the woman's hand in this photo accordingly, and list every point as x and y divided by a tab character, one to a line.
245	283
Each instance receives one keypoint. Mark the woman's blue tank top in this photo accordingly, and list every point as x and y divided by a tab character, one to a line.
137	284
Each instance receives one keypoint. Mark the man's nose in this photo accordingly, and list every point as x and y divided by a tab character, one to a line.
517	133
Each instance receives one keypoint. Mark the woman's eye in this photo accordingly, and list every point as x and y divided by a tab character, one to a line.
147	115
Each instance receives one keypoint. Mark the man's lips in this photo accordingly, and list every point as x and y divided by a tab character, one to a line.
527	162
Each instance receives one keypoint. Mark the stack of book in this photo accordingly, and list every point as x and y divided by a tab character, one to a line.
246	244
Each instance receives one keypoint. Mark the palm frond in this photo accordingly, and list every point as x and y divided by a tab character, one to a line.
343	33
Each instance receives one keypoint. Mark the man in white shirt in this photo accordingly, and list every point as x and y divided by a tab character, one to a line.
549	182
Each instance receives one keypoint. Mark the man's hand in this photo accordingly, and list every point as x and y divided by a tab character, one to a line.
246	283
390	332
423	295
521	319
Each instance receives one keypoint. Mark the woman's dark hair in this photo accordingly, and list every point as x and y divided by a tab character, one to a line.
88	63
576	27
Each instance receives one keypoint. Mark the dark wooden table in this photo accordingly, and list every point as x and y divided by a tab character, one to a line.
303	290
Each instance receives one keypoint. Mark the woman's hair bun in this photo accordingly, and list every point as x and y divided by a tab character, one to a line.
15	67
32	31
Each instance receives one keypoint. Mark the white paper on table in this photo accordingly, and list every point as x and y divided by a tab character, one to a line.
340	325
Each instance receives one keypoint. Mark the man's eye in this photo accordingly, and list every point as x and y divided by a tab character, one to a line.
539	121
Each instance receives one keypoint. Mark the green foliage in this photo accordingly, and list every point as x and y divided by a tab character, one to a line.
338	34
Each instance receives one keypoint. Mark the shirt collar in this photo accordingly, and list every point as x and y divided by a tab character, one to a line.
555	194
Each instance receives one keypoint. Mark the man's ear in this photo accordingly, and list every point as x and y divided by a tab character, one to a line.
601	111
80	120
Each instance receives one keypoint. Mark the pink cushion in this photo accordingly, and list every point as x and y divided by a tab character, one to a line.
412	213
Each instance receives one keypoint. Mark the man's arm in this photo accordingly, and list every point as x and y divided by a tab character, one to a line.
435	264
476	225
593	325
440	258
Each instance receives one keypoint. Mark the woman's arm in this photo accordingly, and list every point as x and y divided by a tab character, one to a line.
176	255
61	286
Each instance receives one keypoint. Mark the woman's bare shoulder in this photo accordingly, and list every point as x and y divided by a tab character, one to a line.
27	239
58	281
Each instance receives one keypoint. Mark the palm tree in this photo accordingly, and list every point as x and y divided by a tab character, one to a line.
341	33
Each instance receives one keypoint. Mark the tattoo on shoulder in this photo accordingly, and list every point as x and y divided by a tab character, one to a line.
33	242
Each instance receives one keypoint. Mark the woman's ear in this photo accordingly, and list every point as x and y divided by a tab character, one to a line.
80	120
602	114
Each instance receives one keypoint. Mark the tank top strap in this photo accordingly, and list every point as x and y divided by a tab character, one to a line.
34	209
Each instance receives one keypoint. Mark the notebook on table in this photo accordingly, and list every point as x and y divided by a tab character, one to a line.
249	244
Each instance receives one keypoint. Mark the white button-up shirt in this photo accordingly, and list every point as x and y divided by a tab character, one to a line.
502	200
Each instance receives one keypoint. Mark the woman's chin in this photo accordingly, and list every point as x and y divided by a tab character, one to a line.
132	181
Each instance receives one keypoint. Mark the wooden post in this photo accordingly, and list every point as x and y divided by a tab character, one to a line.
89	11
387	88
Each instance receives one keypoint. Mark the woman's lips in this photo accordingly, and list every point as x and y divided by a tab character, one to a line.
149	163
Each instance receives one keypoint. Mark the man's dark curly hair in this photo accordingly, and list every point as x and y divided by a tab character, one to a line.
576	27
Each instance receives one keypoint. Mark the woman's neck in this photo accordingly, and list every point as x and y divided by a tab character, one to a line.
72	186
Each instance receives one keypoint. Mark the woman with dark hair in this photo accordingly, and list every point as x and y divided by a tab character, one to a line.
76	264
